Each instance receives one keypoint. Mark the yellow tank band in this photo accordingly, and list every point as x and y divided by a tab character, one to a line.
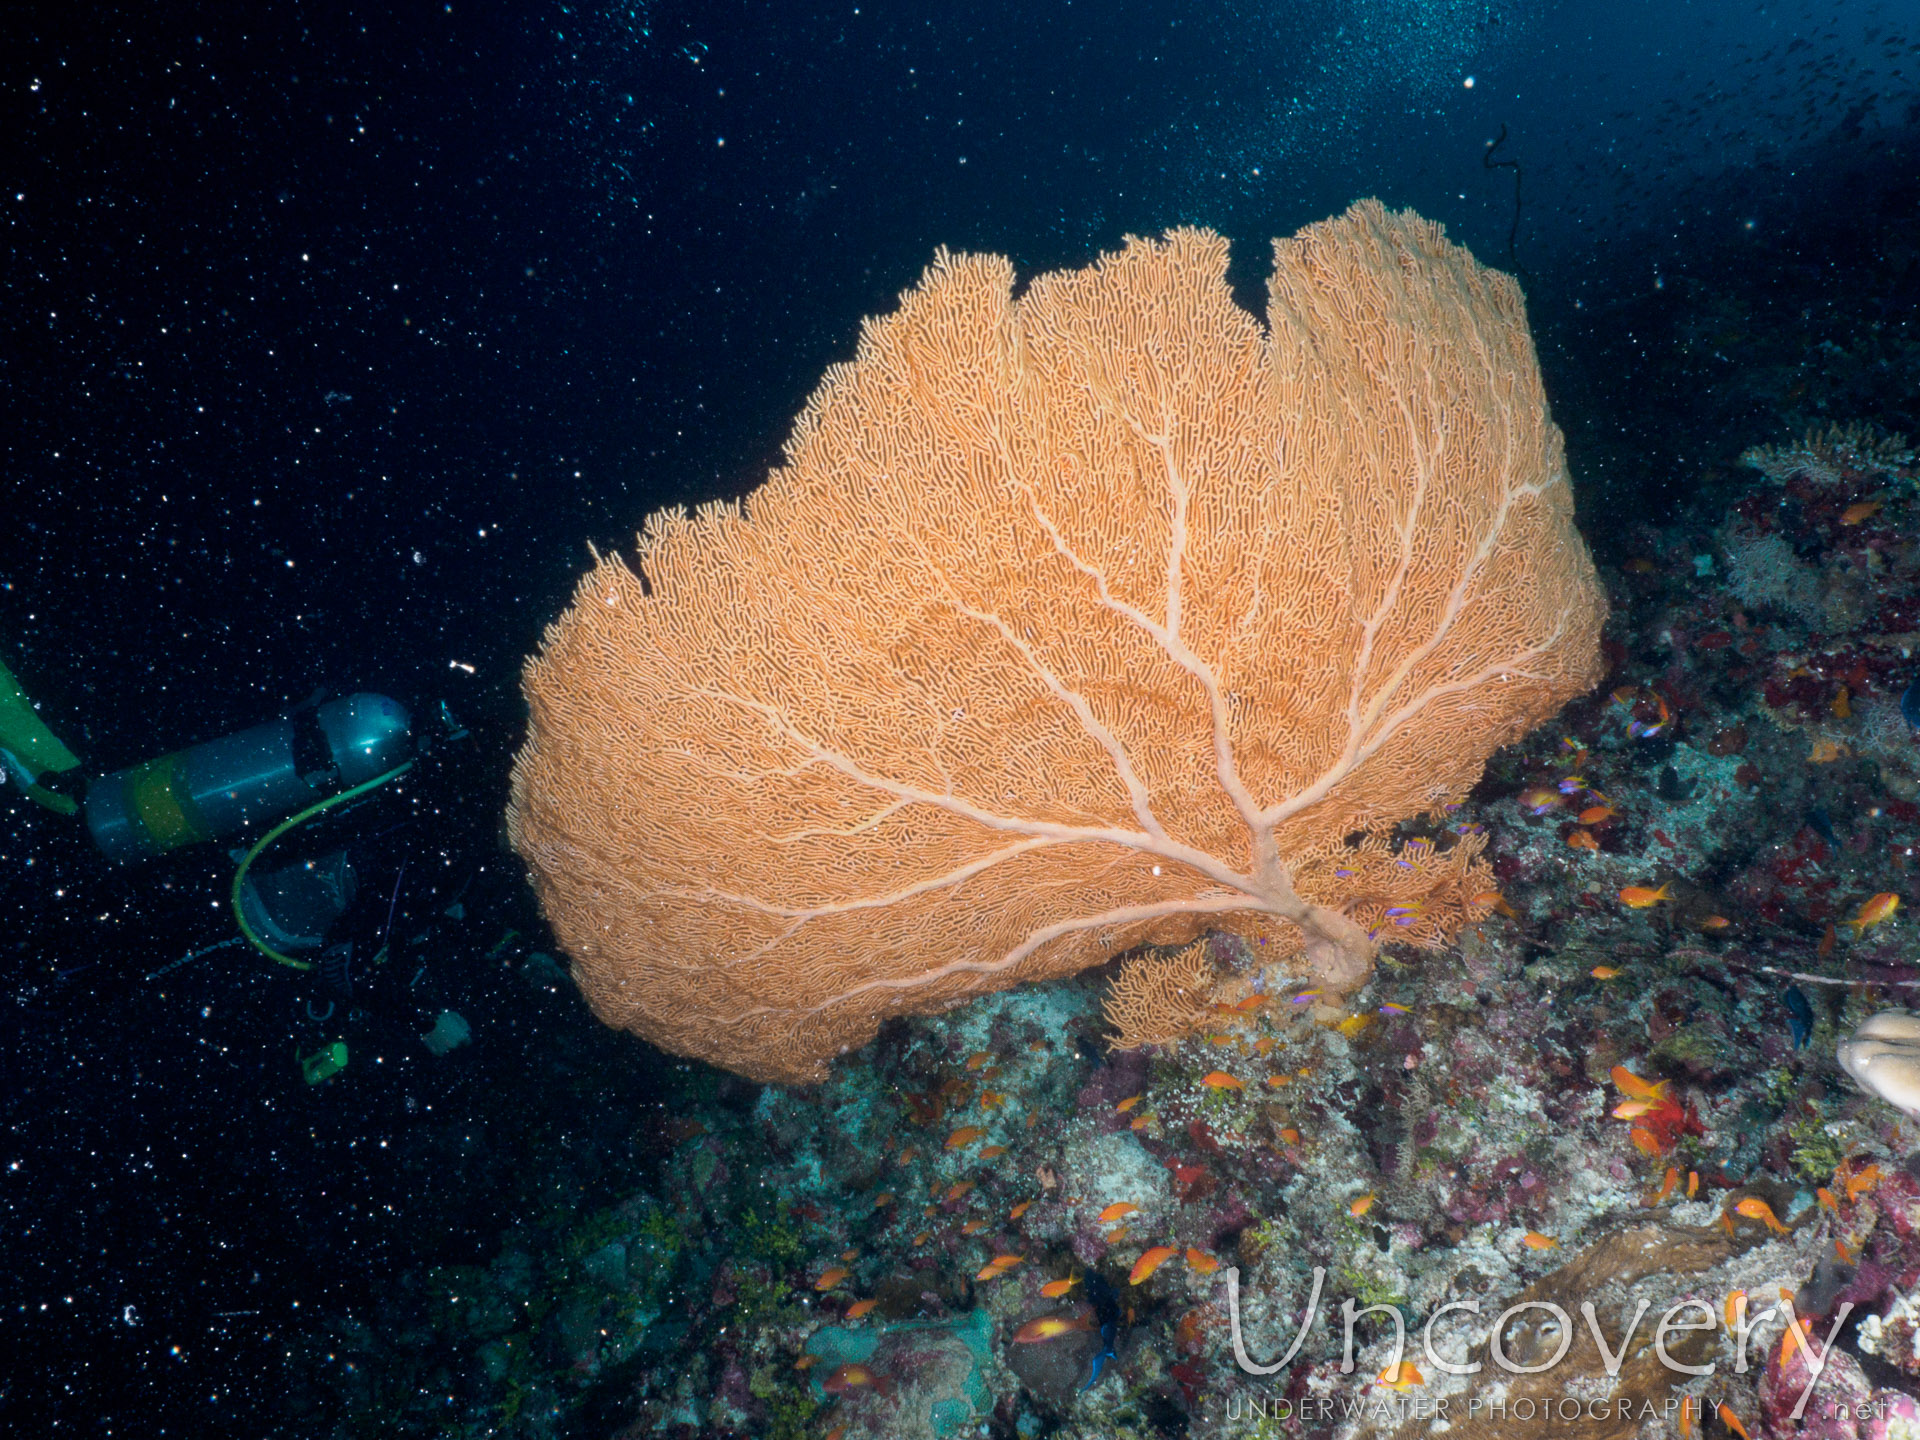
157	794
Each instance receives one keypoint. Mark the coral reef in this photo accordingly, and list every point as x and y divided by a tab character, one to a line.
1591	1099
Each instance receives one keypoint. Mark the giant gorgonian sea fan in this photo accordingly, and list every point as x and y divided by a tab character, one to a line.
1096	617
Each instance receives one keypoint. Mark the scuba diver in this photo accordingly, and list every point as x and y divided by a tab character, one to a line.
339	912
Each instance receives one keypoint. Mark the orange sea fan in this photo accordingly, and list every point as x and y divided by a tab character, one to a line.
1091	617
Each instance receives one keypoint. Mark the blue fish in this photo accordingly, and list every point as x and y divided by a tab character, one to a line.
1799	1017
1106	1309
1822	825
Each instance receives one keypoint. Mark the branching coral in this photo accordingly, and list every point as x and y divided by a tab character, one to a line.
1830	456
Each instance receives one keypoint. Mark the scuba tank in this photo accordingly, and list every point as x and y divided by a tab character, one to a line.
221	786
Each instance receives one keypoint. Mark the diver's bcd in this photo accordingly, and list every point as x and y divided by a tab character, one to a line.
291	908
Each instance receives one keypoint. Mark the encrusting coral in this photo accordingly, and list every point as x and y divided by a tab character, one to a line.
1090	619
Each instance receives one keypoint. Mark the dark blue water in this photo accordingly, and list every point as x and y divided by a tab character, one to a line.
333	335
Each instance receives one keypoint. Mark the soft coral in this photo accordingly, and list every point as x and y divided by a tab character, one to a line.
1662	1127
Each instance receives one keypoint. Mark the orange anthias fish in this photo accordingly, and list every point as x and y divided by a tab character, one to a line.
859	1308
1051	1327
1689	1409
1498	901
1879	908
1735	1307
1754	1208
1151	1261
1019	1210
1731	1420
1401	1376
1604	972
830	1278
1360	1205
1662	1120
1127	1104
1789	1343
964	1136
998	1266
1667	1186
1117	1210
1054	1289
1596	814
1865	1180
979	1058
1639	897
993	1152
1858	511
1220	1080
851	1378
1635	1087
1534	1240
